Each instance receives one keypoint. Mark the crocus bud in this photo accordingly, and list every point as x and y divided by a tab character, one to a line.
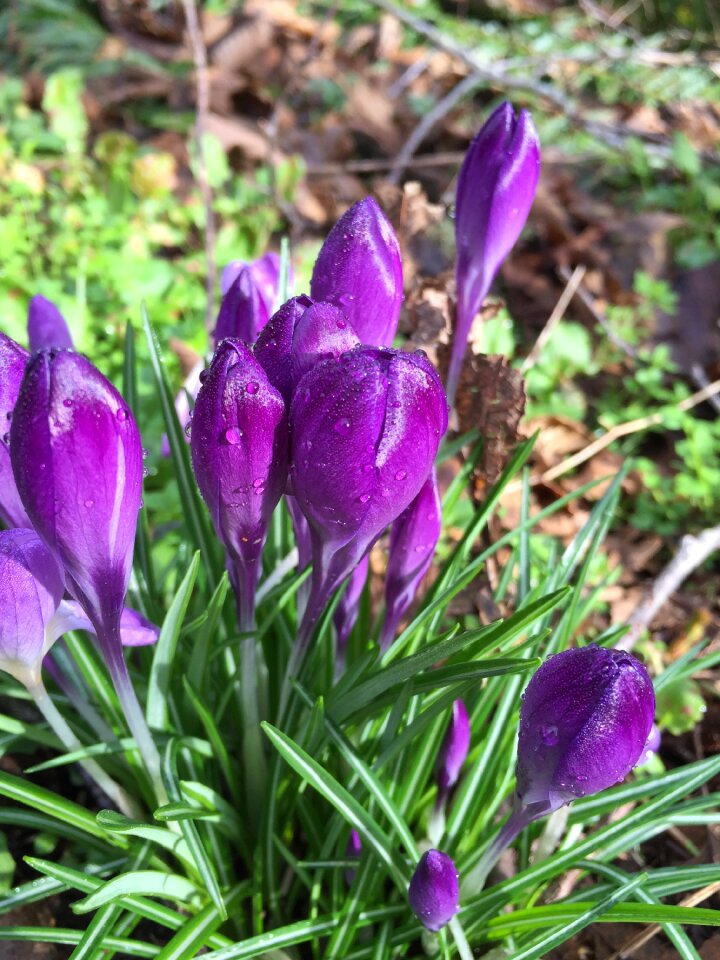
47	326
454	748
433	891
359	269
365	430
274	345
266	274
495	191
239	448
413	539
31	587
584	722
243	312
346	612
13	359
77	460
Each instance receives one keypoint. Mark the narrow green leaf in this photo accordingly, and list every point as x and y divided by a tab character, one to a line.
139	883
132	948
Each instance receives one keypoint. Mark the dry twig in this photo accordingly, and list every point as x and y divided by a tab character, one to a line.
573	282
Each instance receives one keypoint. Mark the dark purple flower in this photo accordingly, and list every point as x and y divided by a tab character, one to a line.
495	191
433	891
266	274
243	312
360	270
13	359
584	722
31	587
454	748
239	447
413	539
365	429
346	612
77	460
47	326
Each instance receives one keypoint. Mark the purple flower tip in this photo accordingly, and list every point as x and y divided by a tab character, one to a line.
359	269
584	722
266	274
243	311
47	326
454	747
13	359
353	850
433	891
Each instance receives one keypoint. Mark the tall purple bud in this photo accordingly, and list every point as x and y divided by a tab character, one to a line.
243	312
495	191
239	446
77	460
365	429
266	274
413	539
433	892
348	608
584	723
454	749
360	270
13	359
47	326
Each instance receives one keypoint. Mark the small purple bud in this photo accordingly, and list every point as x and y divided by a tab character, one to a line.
239	446
31	587
360	270
243	312
274	345
454	749
266	274
413	539
323	331
584	722
13	359
47	326
77	460
356	424
495	191
353	851
348	608
433	891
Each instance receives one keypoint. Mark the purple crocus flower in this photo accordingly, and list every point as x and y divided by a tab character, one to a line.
454	749
239	447
13	359
47	326
360	270
413	539
243	311
348	608
495	191
433	892
265	273
584	723
274	345
365	429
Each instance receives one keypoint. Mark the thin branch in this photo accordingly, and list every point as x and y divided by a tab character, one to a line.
573	282
202	86
602	320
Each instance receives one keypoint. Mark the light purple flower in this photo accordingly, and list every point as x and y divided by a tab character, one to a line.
454	749
135	629
584	723
360	270
495	191
433	891
413	539
13	359
266	274
47	326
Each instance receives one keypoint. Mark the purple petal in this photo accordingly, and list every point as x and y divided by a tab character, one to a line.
321	333
266	273
346	612
584	722
31	587
455	747
135	630
47	326
413	539
360	270
13	359
275	345
433	891
239	447
243	312
77	460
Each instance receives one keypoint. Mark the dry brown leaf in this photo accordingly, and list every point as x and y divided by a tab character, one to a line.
245	48
370	111
237	133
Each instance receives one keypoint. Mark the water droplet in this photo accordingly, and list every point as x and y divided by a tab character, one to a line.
258	482
419	548
396	404
233	435
188	428
364	498
6	438
342	426
341	324
146	472
400	474
8	415
67	402
259	490
368	468
549	734
203	376
122	413
89	503
144	453
252	387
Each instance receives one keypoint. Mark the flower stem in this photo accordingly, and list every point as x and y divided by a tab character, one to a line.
460	939
474	881
254	757
65	735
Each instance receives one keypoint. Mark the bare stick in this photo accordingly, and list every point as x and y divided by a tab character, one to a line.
202	86
602	320
573	282
694	550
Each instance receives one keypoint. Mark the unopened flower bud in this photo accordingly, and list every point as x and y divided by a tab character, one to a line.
433	891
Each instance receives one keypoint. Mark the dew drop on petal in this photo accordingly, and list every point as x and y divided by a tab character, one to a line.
233	435
363	498
342	426
549	734
89	503
252	387
67	402
122	413
400	474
